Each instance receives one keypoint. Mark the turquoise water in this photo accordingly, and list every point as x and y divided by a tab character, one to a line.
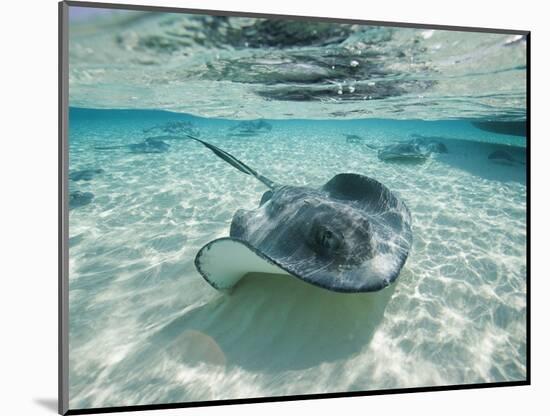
146	328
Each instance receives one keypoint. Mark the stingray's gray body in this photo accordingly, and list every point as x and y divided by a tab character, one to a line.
250	128
402	151
353	139
351	235
84	174
429	144
504	157
149	145
175	127
79	199
416	150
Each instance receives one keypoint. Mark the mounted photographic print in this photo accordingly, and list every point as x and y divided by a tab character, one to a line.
259	207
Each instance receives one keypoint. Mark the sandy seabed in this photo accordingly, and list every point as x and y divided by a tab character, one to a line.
146	328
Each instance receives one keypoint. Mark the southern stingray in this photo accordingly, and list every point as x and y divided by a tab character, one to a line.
149	145
353	139
175	127
84	174
251	128
407	152
504	157
79	199
350	235
429	144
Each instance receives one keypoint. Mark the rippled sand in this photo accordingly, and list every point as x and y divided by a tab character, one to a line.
146	328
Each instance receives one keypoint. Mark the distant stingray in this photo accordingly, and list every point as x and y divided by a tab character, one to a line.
250	128
79	199
149	145
84	175
174	127
351	235
429	144
353	139
436	147
401	152
504	157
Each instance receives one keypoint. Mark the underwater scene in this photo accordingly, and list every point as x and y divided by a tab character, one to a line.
265	207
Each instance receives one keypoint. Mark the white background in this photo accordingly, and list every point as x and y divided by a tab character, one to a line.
28	227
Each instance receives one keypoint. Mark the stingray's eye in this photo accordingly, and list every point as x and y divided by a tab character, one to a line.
327	240
274	207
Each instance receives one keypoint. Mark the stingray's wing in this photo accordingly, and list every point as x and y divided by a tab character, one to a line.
224	261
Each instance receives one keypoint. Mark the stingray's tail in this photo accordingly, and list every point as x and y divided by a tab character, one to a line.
236	163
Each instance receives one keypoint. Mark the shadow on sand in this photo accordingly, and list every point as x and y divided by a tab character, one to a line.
274	323
473	157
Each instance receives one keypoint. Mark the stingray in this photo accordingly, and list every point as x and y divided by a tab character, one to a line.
435	147
350	235
79	199
429	144
175	127
149	145
165	137
84	174
401	152
250	128
504	157
353	139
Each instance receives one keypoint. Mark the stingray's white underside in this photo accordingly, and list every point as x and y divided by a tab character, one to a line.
225	261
